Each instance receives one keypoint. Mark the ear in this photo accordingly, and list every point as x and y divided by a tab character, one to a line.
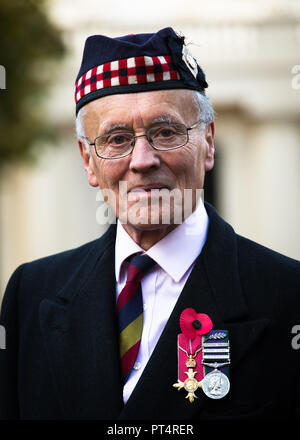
209	137
88	163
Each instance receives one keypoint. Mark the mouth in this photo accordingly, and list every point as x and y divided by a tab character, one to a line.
148	188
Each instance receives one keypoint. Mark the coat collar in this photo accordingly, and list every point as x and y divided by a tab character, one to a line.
81	335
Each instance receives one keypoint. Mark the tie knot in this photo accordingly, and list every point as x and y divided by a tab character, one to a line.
139	265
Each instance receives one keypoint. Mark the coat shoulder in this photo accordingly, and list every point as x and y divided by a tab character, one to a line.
76	255
269	278
256	263
255	254
46	276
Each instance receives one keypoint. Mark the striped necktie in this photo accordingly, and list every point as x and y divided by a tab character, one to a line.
130	312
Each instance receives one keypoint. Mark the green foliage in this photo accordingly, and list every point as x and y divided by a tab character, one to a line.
30	46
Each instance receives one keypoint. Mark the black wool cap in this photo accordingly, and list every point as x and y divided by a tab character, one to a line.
136	63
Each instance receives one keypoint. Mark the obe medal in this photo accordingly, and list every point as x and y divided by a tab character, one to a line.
189	345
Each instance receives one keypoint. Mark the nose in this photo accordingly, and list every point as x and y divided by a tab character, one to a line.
143	157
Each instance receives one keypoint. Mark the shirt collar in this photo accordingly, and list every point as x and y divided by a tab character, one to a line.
176	252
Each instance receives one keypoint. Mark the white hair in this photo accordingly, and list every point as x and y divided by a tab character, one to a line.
205	115
205	110
80	130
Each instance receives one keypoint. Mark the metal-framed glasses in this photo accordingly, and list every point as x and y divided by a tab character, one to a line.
162	137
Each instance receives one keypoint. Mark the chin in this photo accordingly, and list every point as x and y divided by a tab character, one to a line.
148	220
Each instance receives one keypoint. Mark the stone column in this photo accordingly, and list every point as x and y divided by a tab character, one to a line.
274	164
259	181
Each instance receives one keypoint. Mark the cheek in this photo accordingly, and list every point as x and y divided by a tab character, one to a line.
108	174
188	166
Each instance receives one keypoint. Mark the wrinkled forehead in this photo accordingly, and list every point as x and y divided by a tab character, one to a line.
151	107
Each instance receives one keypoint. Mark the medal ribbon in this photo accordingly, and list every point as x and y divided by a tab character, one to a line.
188	347
216	351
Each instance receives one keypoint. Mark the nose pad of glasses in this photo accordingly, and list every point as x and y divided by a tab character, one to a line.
132	144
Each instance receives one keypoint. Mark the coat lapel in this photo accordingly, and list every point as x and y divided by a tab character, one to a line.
79	328
212	288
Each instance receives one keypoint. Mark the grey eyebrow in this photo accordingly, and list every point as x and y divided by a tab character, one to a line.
164	118
115	127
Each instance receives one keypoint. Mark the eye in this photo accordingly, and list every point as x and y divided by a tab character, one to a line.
165	132
118	139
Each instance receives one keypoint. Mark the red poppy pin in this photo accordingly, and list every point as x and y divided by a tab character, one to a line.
194	324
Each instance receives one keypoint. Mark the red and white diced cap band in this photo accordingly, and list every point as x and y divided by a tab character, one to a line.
128	71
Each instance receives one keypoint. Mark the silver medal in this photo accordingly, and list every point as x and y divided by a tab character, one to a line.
215	384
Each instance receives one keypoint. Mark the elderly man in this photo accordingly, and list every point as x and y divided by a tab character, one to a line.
157	319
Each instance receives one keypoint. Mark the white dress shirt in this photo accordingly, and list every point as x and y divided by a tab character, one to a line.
175	255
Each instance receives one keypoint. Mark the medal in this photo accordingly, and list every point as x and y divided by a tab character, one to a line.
189	357
216	360
203	357
215	384
190	369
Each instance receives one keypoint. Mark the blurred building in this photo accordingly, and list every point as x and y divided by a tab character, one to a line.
250	53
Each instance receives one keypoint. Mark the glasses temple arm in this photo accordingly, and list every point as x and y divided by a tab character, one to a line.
86	139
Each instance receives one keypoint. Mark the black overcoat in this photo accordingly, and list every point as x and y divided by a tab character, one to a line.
61	359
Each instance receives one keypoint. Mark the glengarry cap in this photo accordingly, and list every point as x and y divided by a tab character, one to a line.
136	63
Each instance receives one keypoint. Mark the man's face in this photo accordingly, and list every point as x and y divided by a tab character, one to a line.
146	169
